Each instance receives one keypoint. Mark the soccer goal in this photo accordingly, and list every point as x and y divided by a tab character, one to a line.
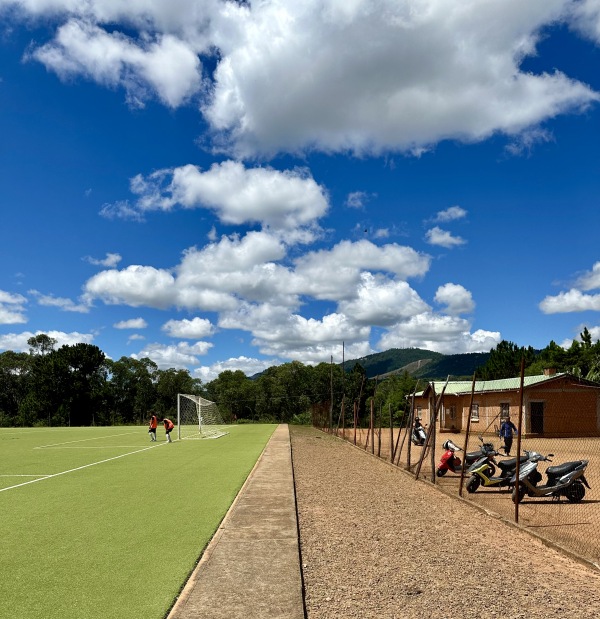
198	418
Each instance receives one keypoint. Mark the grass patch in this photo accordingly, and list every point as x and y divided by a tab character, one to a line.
119	527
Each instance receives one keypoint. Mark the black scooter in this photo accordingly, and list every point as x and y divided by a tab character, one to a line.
566	479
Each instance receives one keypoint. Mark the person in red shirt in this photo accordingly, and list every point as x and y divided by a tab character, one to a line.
168	428
152	427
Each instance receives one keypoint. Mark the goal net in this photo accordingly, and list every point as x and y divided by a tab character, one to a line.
198	418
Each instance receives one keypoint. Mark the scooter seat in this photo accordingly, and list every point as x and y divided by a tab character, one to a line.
485	449
564	468
511	463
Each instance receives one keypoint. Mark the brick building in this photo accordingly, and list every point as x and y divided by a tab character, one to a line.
554	405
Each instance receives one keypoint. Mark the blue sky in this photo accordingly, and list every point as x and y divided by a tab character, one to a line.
226	185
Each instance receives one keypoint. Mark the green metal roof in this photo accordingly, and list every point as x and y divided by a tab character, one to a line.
460	387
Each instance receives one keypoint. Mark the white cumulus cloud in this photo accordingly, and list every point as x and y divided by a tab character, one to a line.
591	279
66	305
12	308
111	260
443	238
444	334
180	356
456	298
286	79
282	200
570	301
450	214
577	298
18	341
132	323
248	365
196	328
437	71
114	59
382	302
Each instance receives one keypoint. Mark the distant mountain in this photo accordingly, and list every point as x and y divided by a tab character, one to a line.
419	363
455	366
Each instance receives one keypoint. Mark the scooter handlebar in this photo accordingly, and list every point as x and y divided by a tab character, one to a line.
534	456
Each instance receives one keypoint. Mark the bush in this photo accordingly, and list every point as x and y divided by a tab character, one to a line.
303	419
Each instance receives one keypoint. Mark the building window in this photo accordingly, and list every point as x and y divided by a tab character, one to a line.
504	410
474	412
452	413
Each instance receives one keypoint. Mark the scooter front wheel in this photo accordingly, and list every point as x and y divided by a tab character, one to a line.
473	484
441	472
518	494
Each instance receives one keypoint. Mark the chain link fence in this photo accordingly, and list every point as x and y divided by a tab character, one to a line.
566	439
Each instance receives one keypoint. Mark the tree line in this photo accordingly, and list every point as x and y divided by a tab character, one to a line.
77	385
581	358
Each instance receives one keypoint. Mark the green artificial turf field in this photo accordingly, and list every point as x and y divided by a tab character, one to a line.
101	523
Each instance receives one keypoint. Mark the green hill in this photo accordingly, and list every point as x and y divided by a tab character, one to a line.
419	363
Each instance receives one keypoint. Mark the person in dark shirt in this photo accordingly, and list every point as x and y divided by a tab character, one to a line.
507	428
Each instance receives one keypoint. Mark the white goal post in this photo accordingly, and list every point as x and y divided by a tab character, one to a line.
198	418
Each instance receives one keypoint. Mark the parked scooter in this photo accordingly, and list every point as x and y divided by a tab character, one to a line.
566	479
485	454
418	434
481	476
449	461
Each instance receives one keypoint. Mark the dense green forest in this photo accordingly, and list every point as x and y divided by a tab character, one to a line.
78	385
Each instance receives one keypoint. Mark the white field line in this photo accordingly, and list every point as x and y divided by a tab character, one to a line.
10	431
88	447
80	468
83	440
23	475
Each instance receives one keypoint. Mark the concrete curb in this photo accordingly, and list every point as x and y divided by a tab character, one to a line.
251	568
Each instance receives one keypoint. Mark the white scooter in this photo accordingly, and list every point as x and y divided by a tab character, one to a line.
566	479
418	434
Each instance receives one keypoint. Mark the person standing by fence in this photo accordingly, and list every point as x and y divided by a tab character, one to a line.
507	428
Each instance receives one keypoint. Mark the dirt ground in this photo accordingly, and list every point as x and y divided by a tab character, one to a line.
375	542
574	526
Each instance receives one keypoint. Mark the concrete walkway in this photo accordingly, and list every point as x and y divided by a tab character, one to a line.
251	568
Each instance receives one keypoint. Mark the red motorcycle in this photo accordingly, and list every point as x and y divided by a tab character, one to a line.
449	461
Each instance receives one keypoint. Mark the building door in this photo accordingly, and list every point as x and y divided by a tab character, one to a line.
537	417
449	418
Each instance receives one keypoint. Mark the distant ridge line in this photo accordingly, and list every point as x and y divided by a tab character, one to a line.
419	363
411	368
